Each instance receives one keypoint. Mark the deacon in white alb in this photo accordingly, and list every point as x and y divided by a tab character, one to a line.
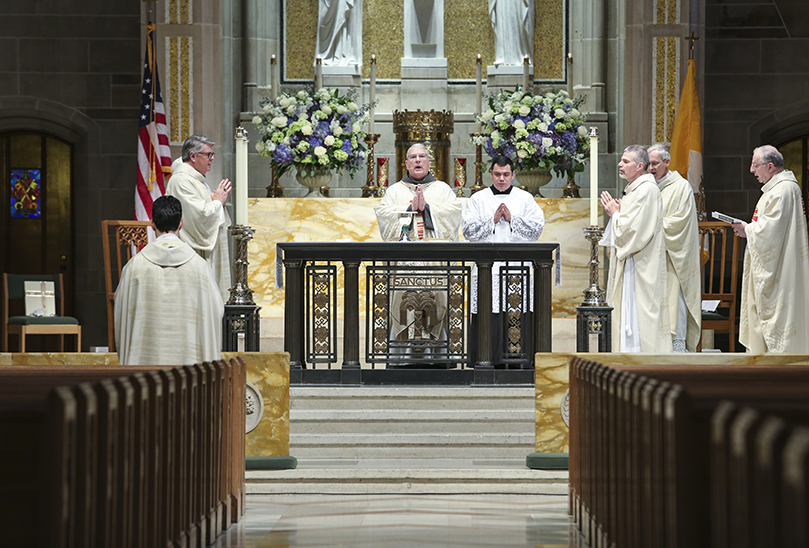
681	227
637	288
168	309
501	213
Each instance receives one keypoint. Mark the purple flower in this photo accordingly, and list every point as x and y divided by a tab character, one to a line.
282	154
346	146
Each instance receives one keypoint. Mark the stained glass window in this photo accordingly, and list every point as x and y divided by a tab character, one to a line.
25	187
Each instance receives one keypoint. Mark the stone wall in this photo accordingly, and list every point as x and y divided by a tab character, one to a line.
756	85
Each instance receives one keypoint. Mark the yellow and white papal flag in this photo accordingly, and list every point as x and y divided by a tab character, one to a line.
686	141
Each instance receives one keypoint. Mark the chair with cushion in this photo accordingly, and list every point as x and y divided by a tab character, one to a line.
126	238
14	290
720	248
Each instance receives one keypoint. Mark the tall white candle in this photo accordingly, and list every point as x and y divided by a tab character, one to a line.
478	91
241	176
525	74
318	73
593	176
273	78
372	94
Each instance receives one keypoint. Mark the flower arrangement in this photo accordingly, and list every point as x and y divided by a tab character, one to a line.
544	132
315	132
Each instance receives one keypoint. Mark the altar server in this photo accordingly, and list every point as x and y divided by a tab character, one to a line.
502	213
775	292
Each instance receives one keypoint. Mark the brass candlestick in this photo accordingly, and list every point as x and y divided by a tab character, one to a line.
571	189
370	188
460	176
382	168
240	293
594	295
275	190
478	164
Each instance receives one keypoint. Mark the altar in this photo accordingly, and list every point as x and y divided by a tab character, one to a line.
353	220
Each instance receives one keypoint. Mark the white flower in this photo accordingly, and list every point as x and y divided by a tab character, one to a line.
575	113
337	131
329	140
302	117
499	118
279	121
519	124
547	141
284	103
293	101
495	135
259	146
488	115
256	120
522	153
326	109
543	127
320	151
559	113
352	106
525	111
507	105
355	127
341	109
267	108
582	131
302	94
286	141
307	129
291	110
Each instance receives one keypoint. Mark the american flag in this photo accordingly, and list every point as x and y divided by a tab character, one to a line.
154	155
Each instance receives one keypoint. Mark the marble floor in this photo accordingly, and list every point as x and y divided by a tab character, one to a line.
275	521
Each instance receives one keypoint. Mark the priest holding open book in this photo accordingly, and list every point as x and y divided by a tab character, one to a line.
774	305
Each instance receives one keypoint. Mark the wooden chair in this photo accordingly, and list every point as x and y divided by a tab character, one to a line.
128	238
14	289
717	286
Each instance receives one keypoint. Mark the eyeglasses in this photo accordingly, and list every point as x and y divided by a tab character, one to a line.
418	157
210	155
754	165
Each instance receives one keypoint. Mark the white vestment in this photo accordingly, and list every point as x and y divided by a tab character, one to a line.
513	24
681	228
339	32
444	212
205	222
168	309
527	221
638	233
775	286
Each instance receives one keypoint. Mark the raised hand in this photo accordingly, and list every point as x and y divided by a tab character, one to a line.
222	192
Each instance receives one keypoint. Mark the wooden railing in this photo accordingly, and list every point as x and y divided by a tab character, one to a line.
296	256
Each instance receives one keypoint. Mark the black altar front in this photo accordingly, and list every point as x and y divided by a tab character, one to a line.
310	318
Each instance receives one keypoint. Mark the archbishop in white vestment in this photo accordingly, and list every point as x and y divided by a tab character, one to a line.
436	215
168	309
637	287
206	220
681	228
775	285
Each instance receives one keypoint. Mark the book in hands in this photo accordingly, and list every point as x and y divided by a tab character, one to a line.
725	218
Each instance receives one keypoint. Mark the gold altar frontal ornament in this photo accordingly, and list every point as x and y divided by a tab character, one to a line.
430	128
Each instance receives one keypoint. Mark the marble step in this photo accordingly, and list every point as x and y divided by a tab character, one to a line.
378	421
411	398
416	476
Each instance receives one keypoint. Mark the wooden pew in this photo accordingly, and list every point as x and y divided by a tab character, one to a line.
640	445
145	456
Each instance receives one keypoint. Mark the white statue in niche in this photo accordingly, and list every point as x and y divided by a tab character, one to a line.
513	23
339	32
424	29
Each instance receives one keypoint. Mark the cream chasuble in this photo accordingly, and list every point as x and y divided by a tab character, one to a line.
168	308
527	221
445	214
638	232
445	210
206	222
775	285
682	254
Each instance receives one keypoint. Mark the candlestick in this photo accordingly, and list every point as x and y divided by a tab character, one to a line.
241	176
525	74
318	73
369	190
478	166
273	79
372	95
593	176
478	91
